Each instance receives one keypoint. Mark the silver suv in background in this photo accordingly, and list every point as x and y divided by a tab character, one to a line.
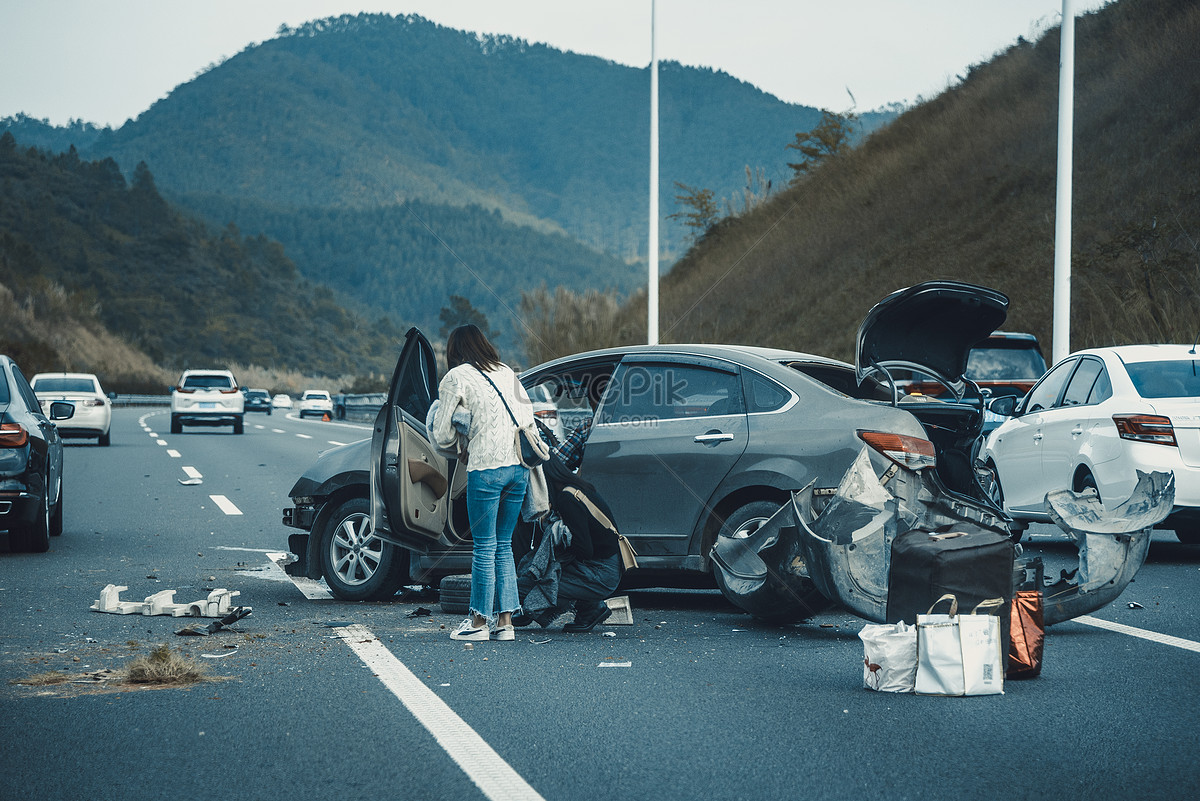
207	398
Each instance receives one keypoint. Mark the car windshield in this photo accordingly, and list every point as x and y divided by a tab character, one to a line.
256	394
1166	379
207	382
999	364
63	385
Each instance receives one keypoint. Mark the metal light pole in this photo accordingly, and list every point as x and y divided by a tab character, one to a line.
1061	345
652	284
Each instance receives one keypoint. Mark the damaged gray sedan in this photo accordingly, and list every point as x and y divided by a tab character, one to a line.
834	545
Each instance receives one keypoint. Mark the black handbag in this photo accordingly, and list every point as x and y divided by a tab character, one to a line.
530	445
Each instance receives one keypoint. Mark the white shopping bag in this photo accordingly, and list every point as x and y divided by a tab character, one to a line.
959	654
889	657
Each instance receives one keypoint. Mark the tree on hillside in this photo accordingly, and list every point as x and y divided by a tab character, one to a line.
460	312
704	212
828	140
754	193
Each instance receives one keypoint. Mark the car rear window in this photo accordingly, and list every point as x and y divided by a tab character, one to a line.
207	382
63	385
1166	379
5	397
1001	364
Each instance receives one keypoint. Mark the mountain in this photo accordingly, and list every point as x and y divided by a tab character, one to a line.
330	135
77	240
963	187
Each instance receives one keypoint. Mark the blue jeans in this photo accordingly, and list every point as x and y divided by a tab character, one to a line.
494	499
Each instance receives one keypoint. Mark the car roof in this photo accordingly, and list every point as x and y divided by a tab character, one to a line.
1146	353
733	352
63	375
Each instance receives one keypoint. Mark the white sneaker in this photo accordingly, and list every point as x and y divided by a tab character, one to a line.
467	630
506	633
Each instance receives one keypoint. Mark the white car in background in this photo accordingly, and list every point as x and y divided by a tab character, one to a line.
316	402
207	398
93	409
1093	421
282	401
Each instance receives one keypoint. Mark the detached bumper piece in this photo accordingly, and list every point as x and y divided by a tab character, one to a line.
1112	543
219	603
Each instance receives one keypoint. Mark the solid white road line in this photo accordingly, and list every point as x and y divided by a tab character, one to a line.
309	588
174	454
192	472
1152	636
226	505
476	758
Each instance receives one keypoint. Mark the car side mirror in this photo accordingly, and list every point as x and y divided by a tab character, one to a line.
1005	405
61	410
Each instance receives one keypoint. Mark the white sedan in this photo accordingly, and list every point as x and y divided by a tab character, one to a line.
316	402
93	409
282	401
1096	418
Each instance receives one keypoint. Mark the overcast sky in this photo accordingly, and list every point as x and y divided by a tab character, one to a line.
105	61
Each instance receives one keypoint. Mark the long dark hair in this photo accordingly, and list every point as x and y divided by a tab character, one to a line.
467	345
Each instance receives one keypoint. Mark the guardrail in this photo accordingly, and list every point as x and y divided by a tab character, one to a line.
358	407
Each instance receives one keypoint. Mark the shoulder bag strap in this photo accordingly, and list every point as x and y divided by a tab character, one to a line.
602	518
511	416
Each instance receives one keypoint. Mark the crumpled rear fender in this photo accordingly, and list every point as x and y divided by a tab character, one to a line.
1112	543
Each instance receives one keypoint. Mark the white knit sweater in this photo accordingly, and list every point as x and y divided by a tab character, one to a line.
492	440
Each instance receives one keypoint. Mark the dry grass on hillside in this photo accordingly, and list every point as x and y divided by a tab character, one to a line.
963	187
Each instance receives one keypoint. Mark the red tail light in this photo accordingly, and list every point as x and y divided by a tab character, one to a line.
13	435
93	402
911	452
185	389
1146	428
229	391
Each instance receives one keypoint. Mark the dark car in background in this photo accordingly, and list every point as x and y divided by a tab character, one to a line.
687	442
257	400
31	463
1006	363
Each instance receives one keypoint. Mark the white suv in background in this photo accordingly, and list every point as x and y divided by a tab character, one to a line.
315	401
207	398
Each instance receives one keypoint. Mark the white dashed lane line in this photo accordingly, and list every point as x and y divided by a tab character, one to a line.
174	454
277	431
495	777
1152	636
192	472
304	436
226	505
335	442
162	442
313	590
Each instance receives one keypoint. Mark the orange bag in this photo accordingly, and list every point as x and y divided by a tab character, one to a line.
1026	635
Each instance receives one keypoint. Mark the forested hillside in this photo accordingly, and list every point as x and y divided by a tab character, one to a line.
122	258
963	187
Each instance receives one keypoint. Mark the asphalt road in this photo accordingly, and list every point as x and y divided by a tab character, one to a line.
319	698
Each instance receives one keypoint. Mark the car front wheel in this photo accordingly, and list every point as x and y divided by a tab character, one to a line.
357	565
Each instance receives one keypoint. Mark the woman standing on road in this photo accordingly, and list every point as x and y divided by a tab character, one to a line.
496	480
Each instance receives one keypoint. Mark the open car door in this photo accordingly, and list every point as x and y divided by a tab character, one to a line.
409	486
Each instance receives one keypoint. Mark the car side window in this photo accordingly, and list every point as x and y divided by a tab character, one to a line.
764	395
1079	389
1102	389
671	391
1045	394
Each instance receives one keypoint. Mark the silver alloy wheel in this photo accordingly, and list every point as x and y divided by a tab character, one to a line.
355	551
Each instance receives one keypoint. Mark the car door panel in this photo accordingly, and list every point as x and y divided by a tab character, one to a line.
409	478
663	442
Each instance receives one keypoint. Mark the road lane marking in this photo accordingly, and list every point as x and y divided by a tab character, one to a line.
256	425
1152	636
174	454
162	442
278	430
470	752
304	436
313	590
226	505
335	442
192	472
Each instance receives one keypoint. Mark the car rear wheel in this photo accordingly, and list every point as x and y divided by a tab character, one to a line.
237	426
357	565
104	440
747	519
176	426
34	537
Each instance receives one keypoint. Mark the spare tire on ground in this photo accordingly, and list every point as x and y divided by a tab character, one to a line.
454	594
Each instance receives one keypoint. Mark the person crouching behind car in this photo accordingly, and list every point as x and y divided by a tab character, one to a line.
496	480
591	568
